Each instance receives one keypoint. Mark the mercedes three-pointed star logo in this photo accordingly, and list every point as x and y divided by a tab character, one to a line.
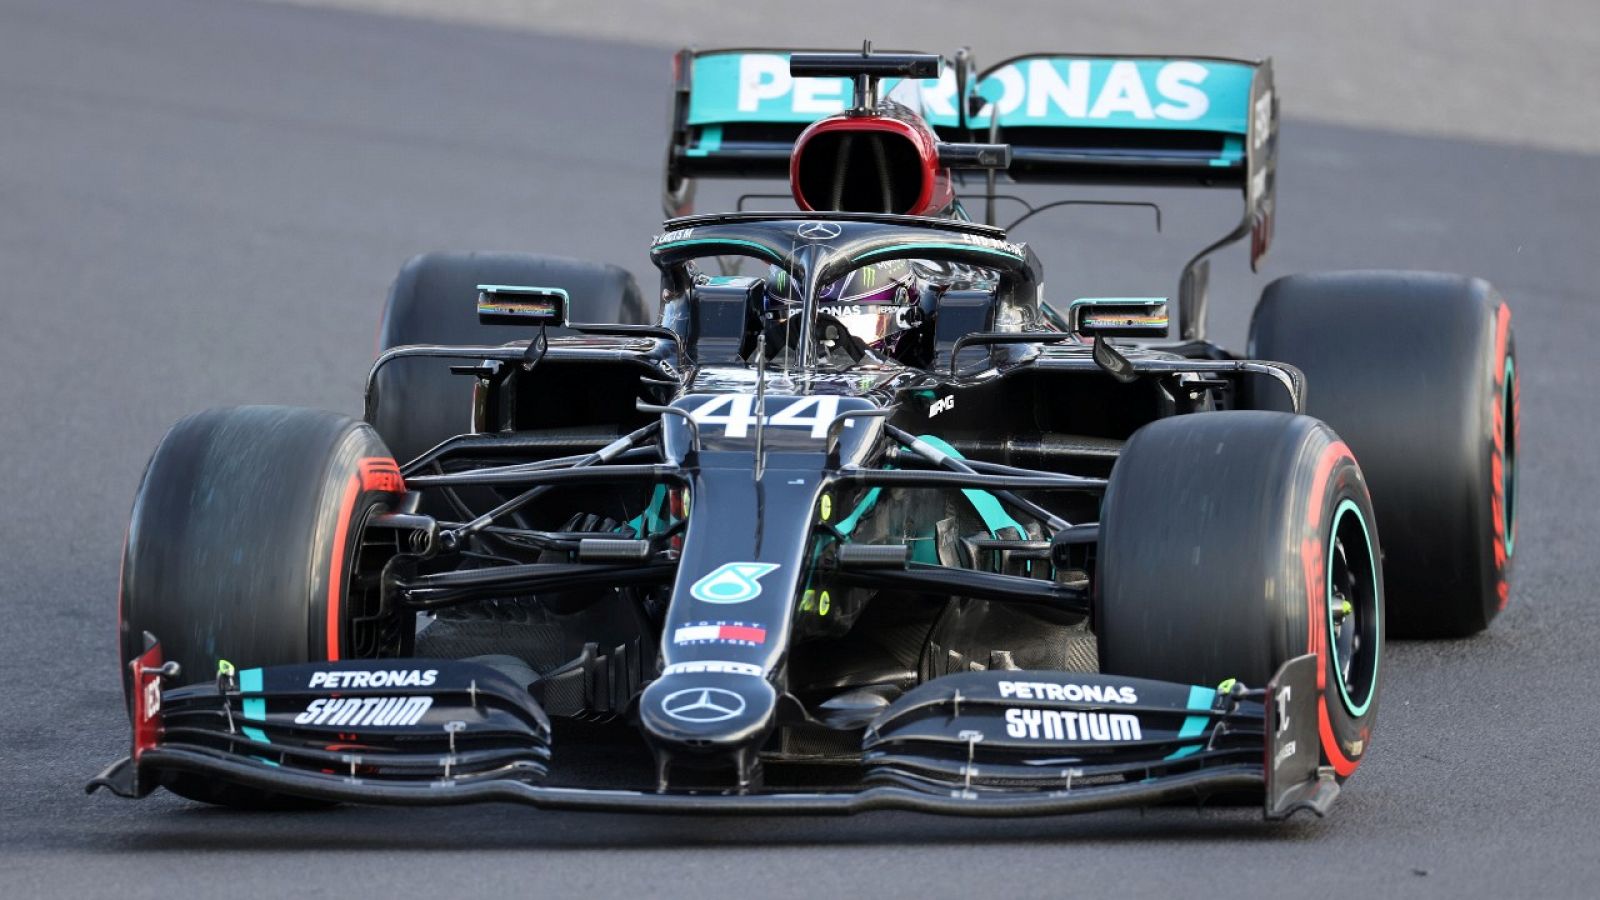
818	231
702	705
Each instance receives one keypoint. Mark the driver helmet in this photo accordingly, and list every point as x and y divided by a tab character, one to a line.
879	306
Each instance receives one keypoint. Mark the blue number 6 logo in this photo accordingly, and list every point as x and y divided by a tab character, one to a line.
733	582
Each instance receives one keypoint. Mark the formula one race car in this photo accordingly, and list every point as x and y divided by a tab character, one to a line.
869	521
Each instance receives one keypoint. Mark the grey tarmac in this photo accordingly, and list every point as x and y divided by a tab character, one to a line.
202	203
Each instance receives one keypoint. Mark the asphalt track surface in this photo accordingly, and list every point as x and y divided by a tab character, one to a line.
1519	72
202	204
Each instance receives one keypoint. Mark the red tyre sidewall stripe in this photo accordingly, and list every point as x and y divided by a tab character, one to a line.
1497	457
352	490
1342	764
1312	559
380	474
1516	438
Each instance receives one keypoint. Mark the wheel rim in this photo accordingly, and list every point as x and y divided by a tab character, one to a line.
1354	641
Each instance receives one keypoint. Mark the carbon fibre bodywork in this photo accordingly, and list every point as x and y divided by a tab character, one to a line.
802	575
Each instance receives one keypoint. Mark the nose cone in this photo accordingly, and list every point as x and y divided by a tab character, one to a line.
707	712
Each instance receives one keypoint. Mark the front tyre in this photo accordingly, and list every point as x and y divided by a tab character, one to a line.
248	543
1232	542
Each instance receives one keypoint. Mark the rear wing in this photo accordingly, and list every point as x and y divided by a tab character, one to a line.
1069	119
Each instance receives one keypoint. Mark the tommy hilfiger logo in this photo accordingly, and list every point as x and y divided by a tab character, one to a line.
720	633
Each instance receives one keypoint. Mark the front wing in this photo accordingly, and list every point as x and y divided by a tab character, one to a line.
994	744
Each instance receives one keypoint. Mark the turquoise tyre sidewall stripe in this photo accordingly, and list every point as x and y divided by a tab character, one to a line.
1348	505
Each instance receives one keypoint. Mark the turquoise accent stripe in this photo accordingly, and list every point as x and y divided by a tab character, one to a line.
849	523
710	141
1199	698
651	521
1232	152
1194	726
989	509
938	245
922	549
255	709
766	251
260	737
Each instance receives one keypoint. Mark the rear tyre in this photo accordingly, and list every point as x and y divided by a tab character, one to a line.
1232	542
1417	372
417	402
247	544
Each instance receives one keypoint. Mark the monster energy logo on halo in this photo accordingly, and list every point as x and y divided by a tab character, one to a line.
734	582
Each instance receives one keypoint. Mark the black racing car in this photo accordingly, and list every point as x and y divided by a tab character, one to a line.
866	518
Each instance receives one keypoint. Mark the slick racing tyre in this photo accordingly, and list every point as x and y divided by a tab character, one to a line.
1417	372
247	544
1232	542
418	402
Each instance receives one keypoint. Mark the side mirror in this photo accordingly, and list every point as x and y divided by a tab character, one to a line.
540	307
1136	317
